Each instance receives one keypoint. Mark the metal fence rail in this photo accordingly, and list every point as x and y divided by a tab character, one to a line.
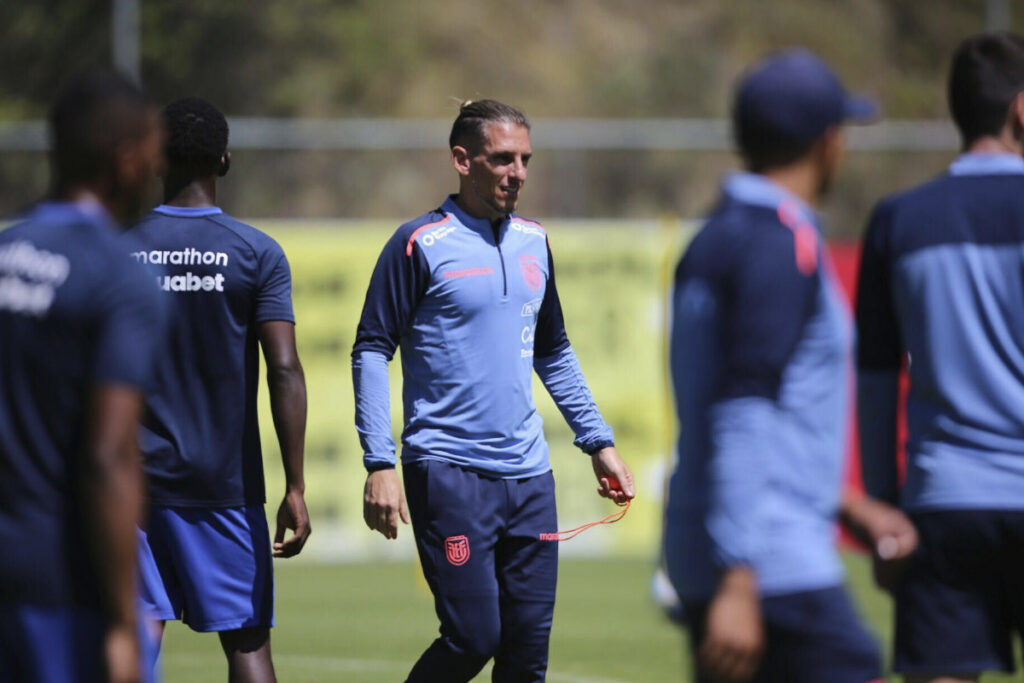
711	135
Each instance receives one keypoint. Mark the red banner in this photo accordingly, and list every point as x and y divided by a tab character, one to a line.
846	259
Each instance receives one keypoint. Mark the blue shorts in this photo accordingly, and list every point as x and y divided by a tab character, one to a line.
58	645
810	637
962	597
210	567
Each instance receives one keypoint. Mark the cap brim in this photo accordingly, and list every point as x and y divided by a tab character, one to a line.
860	109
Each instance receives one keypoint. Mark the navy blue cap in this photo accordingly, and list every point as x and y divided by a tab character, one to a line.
795	96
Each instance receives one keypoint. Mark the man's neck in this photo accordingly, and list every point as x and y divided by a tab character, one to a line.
483	212
83	194
1004	143
198	193
800	179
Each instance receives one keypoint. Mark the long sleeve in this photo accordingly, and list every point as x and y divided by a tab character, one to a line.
738	477
558	368
877	396
879	354
551	337
397	285
398	282
373	409
563	378
766	304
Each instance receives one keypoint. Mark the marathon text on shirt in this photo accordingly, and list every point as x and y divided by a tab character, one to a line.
188	281
186	257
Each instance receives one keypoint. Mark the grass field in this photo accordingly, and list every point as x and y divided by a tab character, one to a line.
367	623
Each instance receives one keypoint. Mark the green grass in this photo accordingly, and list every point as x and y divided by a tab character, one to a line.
367	623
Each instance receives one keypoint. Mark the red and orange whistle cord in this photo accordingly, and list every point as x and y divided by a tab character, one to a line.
568	534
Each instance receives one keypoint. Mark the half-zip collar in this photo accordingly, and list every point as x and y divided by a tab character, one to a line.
484	227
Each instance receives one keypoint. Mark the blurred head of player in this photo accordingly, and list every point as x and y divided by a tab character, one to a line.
107	144
788	111
197	144
490	144
986	80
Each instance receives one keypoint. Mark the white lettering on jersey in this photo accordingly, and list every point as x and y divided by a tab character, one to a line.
531	308
437	234
189	256
527	229
190	282
29	278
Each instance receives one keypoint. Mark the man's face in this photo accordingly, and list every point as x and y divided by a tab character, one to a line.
139	163
493	176
830	157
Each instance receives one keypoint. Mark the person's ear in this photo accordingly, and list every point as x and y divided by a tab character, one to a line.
1016	117
128	162
225	164
460	160
832	147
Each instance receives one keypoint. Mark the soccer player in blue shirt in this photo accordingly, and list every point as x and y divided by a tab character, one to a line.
941	290
207	551
468	293
78	324
760	362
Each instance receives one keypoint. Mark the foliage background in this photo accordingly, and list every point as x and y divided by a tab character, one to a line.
415	58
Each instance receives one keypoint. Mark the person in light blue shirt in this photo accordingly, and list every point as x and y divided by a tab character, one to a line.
760	359
942	293
468	293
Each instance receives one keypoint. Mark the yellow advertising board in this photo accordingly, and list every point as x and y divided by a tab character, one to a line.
612	279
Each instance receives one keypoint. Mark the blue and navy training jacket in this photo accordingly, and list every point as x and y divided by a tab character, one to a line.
942	285
760	359
475	310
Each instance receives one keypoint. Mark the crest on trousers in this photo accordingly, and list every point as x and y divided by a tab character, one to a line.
456	549
532	273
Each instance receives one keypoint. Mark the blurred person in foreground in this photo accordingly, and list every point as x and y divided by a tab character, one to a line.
760	358
941	285
468	292
206	553
78	324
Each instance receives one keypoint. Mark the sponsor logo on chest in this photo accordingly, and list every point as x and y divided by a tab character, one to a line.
437	233
527	229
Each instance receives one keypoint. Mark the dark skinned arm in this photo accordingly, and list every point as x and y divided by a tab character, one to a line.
287	385
885	529
112	507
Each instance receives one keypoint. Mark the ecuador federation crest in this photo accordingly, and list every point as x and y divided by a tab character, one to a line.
456	549
532	274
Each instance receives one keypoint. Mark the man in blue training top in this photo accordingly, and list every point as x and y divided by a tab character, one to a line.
78	326
941	286
468	292
207	552
760	360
